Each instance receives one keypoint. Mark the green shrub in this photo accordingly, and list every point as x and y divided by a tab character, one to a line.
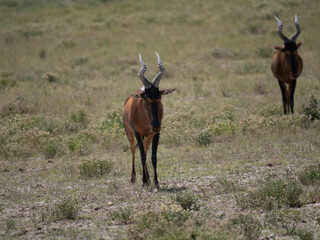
10	224
204	138
305	234
27	135
170	222
64	208
122	215
310	175
95	168
78	119
249	226
288	219
224	185
50	149
6	81
265	52
12	108
273	193
81	144
313	109
187	201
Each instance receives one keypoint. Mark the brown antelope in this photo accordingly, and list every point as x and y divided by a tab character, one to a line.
142	114
287	65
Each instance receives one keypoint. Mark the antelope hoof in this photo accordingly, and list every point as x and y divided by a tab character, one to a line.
133	179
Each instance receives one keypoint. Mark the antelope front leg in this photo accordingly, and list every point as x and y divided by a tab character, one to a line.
145	175
155	143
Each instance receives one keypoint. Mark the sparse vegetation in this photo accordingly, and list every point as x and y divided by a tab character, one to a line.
274	192
226	150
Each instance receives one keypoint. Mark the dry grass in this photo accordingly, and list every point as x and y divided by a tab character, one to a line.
66	69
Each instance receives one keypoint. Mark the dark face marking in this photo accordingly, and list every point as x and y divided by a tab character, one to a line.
290	48
152	99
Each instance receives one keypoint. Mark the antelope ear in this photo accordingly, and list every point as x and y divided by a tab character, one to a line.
278	48
299	44
167	91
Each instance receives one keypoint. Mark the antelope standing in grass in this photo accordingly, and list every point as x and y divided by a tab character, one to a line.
142	114
287	65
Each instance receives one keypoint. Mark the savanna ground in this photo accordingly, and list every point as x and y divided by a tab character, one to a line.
230	164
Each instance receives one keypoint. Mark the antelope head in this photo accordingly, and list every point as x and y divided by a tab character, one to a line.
151	94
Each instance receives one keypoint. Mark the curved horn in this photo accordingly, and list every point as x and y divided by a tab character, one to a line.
279	30
157	79
295	36
143	69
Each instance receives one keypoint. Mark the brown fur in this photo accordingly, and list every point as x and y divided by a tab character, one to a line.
136	116
280	67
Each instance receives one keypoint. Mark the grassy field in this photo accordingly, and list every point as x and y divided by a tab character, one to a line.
230	164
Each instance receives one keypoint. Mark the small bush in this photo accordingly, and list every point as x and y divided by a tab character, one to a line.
95	168
42	53
250	226
122	215
10	224
64	208
11	108
305	234
225	185
170	222
204	138
50	149
265	52
313	110
288	219
310	175
81	144
78	119
273	193
7	83
187	201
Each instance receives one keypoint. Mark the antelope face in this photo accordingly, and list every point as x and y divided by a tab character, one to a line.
152	99
291	51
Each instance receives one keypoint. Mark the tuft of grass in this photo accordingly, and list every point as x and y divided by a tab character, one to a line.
10	224
310	175
122	215
95	168
187	201
64	208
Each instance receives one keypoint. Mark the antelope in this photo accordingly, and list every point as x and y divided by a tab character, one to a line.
287	64
142	115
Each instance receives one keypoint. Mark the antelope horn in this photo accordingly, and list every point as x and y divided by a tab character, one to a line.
279	30
143	69
295	36
157	79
